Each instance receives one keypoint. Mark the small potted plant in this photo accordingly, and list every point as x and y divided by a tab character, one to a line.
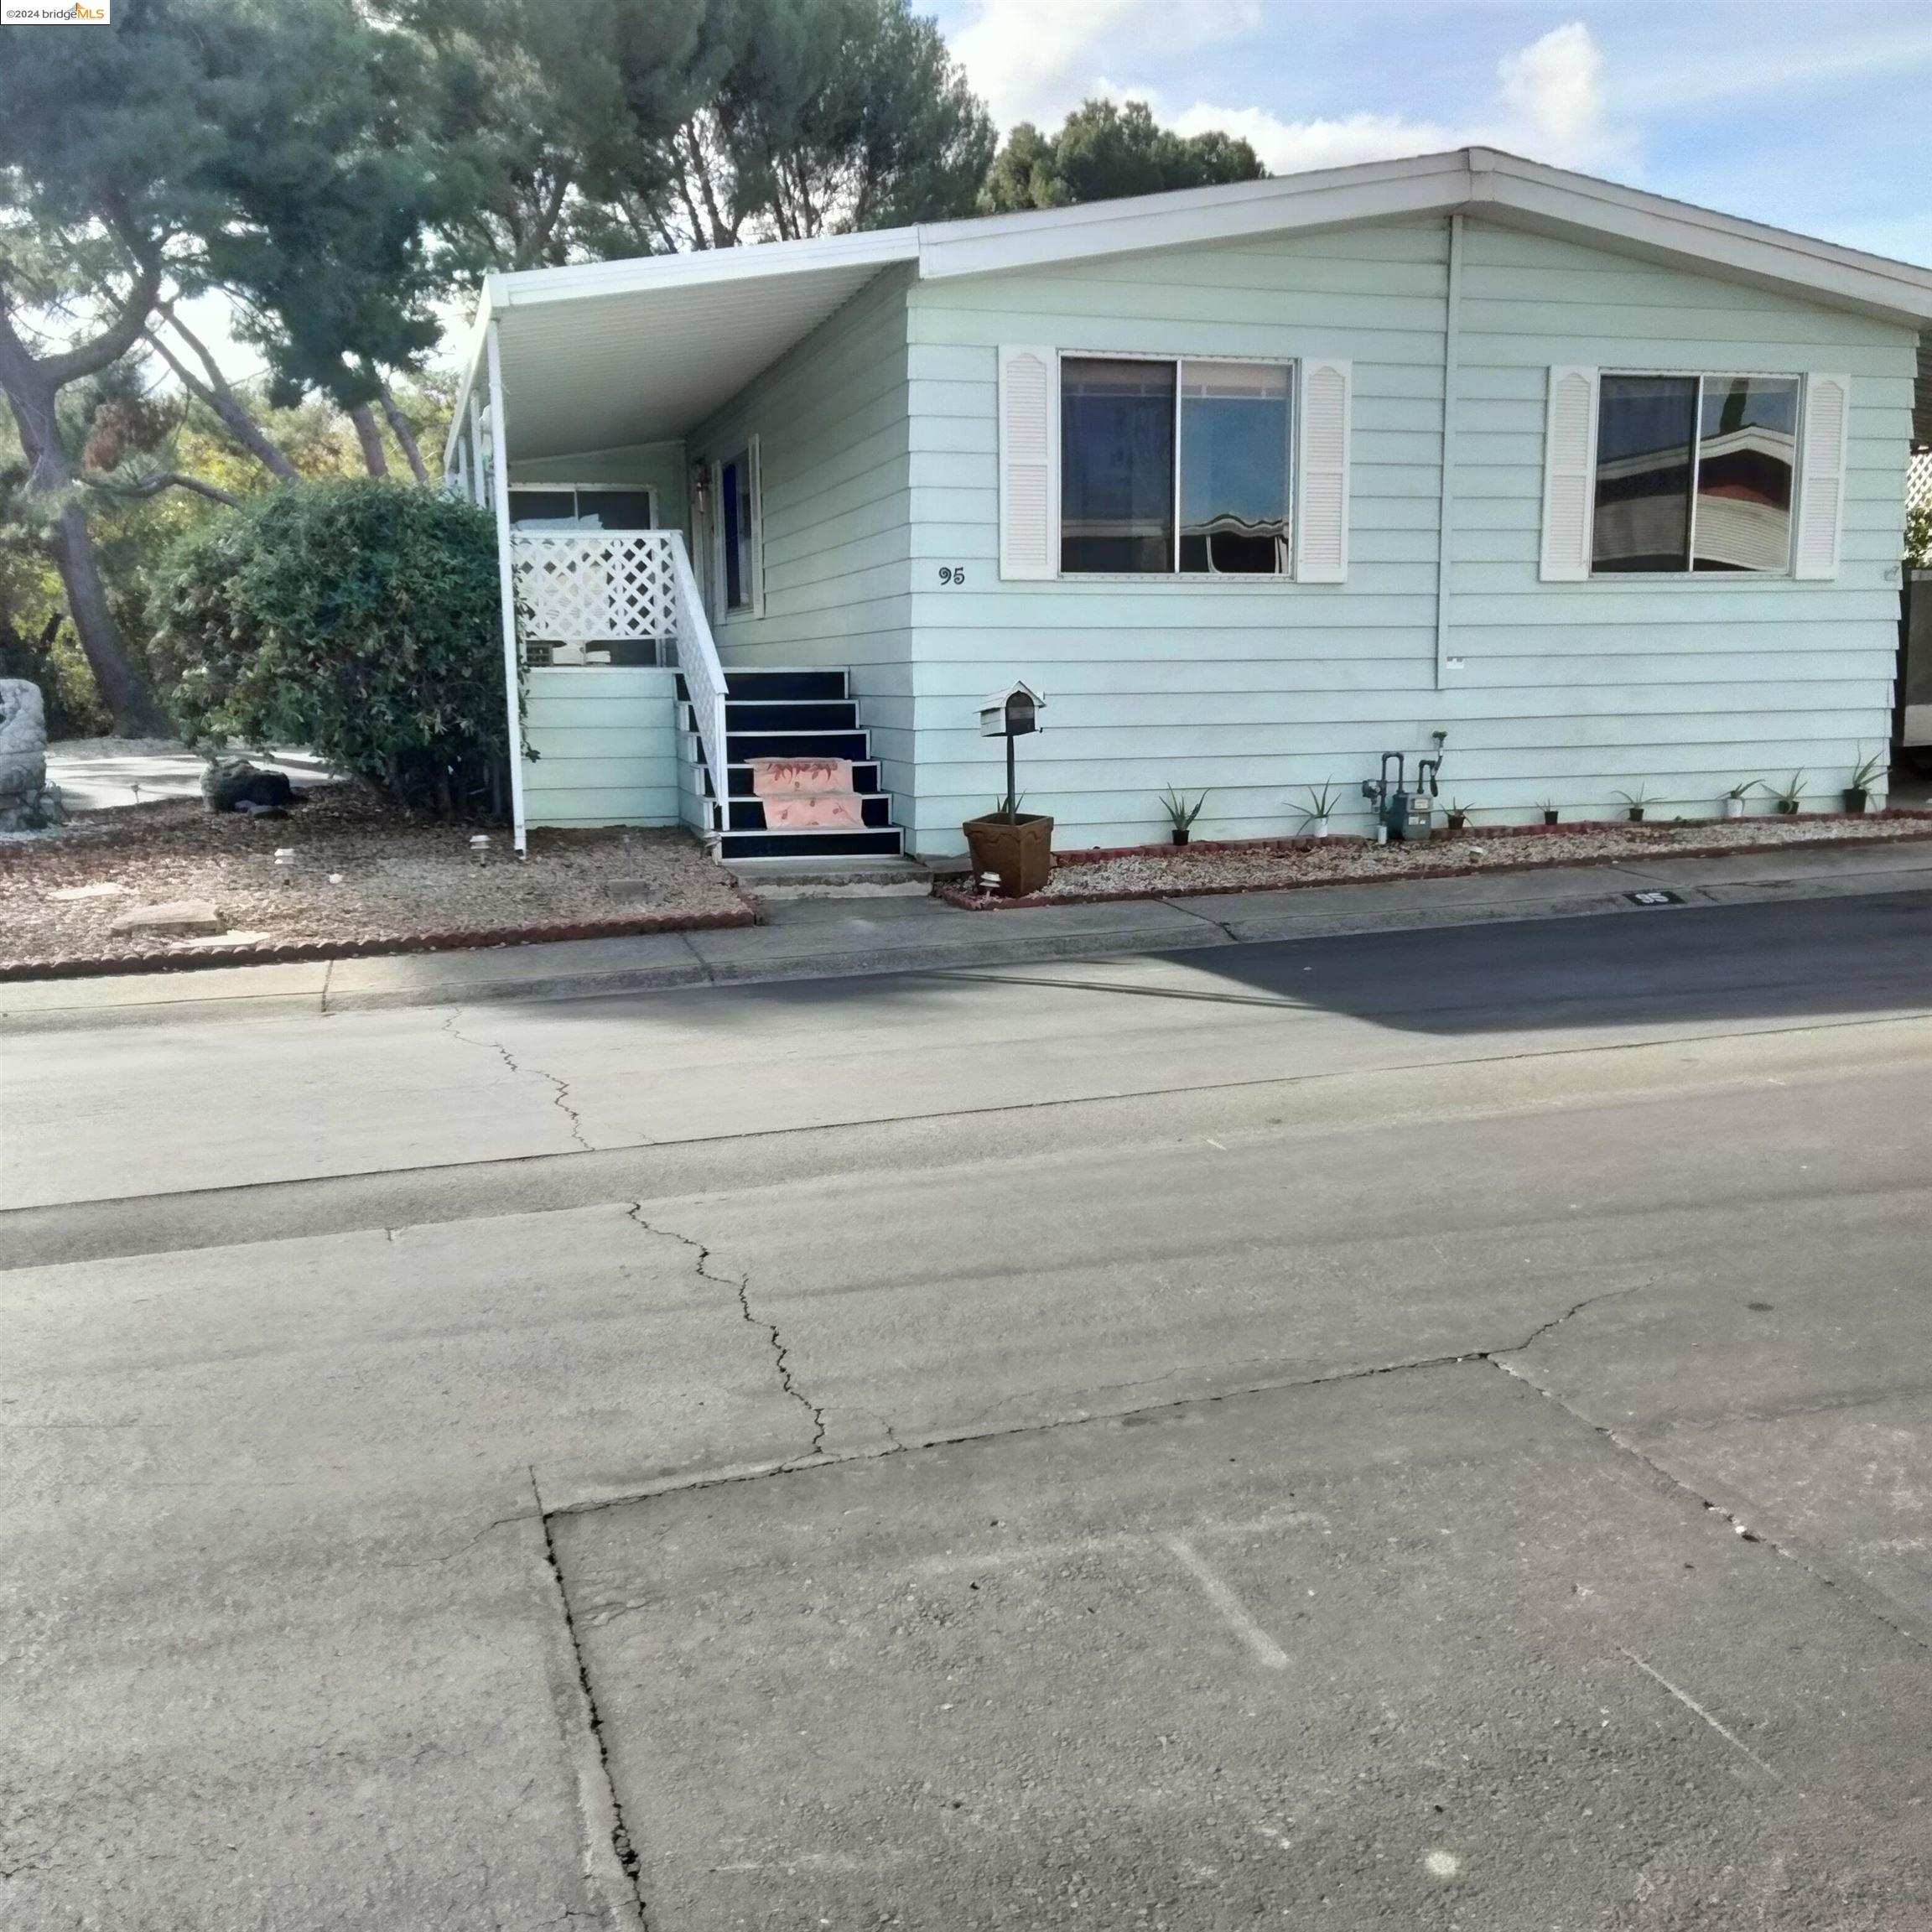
1789	795
1320	806
1181	815
1735	797
1457	815
1547	807
1864	783
1634	804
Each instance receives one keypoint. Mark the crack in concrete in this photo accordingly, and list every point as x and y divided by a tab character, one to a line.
560	1098
621	1843
823	1459
740	1286
1670	1479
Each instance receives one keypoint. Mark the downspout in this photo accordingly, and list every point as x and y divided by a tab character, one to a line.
1446	666
507	584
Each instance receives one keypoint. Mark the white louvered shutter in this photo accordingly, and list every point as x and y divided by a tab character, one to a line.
1569	475
1029	463
1821	482
1321	488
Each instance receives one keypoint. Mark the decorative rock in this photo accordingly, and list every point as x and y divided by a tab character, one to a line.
178	917
209	943
232	784
27	803
99	890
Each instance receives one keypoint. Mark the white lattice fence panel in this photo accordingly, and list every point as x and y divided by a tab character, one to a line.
1919	479
578	587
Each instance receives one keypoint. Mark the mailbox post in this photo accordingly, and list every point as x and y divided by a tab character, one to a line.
1014	713
1017	850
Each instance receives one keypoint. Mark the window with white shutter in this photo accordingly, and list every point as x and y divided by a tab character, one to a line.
1322	481
1569	475
1822	484
1029	441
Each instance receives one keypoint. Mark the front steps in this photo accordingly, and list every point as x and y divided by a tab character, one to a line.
805	713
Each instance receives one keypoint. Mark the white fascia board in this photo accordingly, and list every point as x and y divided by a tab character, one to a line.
1551	198
755	261
1376	191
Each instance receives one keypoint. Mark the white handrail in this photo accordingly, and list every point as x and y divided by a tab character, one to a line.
703	674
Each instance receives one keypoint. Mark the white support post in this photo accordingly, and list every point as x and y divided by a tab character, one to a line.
506	583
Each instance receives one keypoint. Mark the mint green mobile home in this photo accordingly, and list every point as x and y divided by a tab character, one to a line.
1253	484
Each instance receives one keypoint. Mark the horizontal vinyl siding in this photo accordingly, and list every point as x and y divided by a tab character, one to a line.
1570	692
1682	687
1248	691
831	418
606	745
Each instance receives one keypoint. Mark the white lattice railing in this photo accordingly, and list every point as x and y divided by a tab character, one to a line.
580	591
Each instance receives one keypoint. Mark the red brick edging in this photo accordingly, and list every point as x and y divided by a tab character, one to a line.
1093	855
264	953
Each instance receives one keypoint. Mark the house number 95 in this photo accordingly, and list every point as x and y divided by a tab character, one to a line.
952	573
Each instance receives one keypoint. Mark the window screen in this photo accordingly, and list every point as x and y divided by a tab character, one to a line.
1645	428
1117	465
1747	450
1235	426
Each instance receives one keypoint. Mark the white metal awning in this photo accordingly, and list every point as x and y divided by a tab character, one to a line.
642	351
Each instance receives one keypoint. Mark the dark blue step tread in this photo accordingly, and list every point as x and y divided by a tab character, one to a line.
818	714
739	745
807	844
746	682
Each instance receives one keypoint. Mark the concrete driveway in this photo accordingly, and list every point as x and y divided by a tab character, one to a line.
1421	1429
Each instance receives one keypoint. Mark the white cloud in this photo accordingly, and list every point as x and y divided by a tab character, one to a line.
1290	146
1553	95
1036	59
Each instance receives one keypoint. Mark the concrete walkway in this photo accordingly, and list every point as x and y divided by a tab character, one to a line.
813	938
97	774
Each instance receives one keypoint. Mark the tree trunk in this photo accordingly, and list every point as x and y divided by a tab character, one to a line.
124	689
371	438
399	425
217	394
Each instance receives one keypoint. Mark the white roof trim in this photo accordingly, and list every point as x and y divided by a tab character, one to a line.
755	261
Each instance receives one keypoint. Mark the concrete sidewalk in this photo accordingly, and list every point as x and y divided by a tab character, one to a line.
832	937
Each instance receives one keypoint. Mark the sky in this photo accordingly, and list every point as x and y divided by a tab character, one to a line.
1814	115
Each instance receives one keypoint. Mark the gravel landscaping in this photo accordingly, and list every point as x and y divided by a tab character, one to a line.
1165	870
362	879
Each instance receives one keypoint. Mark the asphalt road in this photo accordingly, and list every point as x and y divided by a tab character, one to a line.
1429	1430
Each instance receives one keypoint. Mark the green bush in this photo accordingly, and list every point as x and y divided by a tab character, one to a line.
359	619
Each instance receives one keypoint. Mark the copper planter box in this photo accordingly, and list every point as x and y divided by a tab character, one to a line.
1021	850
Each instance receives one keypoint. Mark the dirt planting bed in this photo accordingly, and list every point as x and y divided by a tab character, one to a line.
362	879
1173	871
